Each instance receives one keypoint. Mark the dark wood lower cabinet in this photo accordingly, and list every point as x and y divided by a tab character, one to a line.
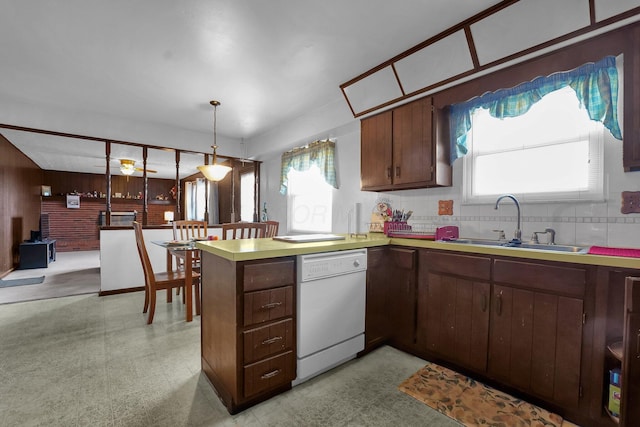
453	308
629	404
522	324
248	328
377	327
536	343
402	296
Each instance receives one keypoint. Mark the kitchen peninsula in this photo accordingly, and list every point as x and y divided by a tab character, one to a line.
569	307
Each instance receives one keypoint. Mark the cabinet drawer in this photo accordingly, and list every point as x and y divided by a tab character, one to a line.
267	340
473	267
270	304
270	373
544	277
265	275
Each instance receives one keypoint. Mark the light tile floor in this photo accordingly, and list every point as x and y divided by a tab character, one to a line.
92	361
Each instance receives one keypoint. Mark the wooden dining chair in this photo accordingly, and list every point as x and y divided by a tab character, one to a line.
154	282
187	229
243	230
272	228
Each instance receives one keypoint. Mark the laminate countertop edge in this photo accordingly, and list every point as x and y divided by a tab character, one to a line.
251	249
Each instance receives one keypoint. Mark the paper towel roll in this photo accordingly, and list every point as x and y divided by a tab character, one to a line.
356	215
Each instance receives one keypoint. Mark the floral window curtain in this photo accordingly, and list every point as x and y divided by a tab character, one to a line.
595	84
319	153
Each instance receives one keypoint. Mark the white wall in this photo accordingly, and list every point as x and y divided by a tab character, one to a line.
575	223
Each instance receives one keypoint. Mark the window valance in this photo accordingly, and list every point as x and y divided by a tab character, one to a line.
319	153
595	84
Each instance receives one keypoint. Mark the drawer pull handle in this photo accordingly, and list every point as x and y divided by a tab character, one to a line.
271	340
499	304
270	374
271	305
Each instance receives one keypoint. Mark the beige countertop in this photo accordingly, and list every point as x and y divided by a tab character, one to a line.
249	249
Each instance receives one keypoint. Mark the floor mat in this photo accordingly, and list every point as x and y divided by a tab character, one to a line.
21	282
473	403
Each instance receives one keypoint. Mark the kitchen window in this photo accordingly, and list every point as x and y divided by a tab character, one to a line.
309	202
308	176
541	140
553	152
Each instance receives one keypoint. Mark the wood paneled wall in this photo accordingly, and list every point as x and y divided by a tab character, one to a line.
20	181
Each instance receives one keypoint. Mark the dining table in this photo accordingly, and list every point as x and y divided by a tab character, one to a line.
183	250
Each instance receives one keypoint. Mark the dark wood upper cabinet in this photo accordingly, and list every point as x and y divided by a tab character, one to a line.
631	131
404	148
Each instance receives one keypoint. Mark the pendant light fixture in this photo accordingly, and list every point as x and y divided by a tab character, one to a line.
215	171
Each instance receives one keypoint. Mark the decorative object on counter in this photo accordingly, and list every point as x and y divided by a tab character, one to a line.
168	216
46	190
630	202
214	172
445	207
382	212
472	403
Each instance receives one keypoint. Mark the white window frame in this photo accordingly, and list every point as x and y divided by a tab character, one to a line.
595	191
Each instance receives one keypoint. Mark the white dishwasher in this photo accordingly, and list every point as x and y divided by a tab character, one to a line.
330	310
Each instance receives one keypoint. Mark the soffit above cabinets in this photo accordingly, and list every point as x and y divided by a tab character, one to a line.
499	34
526	24
438	59
607	8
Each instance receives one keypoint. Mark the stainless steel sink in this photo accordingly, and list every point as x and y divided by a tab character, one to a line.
522	245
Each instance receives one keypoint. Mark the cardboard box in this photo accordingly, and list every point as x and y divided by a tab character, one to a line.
614	392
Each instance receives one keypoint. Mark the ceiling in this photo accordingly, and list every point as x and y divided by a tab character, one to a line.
118	68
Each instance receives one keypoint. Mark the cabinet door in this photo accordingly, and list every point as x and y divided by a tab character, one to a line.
412	143
455	323
402	295
376	151
535	343
453	307
377	308
630	410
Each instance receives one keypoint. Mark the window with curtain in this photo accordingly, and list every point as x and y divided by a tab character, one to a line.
319	153
542	139
308	177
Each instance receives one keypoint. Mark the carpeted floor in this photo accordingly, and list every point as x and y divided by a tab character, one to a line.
472	403
72	273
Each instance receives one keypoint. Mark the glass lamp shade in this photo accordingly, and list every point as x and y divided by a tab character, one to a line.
214	172
127	169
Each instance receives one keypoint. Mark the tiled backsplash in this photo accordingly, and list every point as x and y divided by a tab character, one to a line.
584	223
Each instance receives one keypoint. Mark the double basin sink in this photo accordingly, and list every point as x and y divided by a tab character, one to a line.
520	245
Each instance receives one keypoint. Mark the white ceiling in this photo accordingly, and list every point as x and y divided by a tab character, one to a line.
113	68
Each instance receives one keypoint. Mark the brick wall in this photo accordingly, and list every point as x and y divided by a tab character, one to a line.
79	229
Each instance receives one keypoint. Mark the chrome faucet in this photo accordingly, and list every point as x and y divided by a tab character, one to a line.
518	233
551	236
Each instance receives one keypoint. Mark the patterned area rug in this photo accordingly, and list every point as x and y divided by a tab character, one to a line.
472	403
